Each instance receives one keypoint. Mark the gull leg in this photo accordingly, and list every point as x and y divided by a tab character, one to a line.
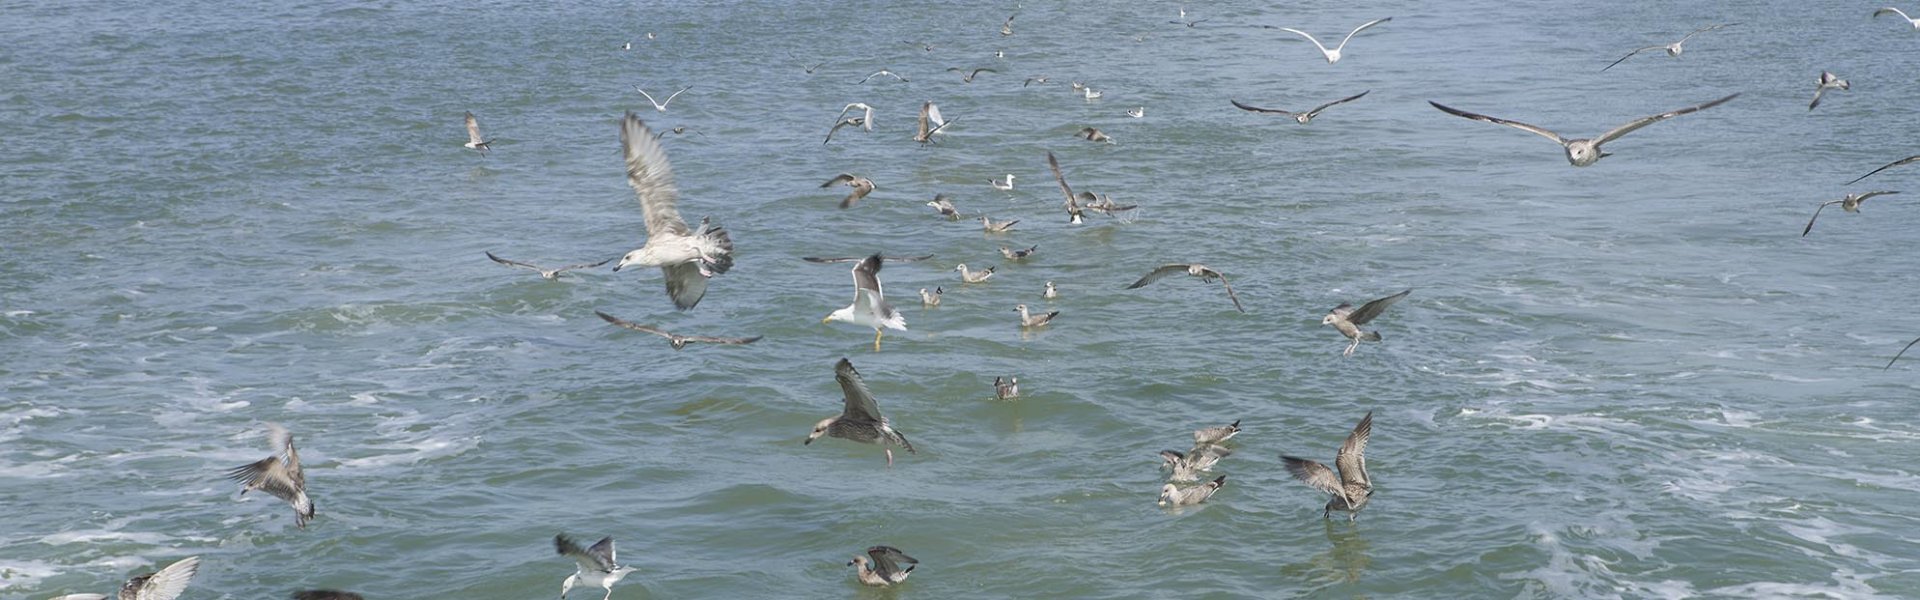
609	595
1351	347
876	340
889	457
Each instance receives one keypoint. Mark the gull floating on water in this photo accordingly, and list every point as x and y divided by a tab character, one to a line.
1031	320
930	115
860	419
474	141
279	475
1006	389
1187	466
1051	292
1137	112
1895	11
165	584
1903	351
967	276
1903	161
1672	49
993	226
1171	495
1300	117
1012	254
326	595
869	305
1074	215
685	256
658	105
1004	185
1583	152
883	72
546	273
842	259
1094	135
1828	81
1215	435
1851	204
1332	56
1089	93
1348	320
881	566
676	340
931	298
942	205
1205	273
597	564
969	75
861	187
1350	489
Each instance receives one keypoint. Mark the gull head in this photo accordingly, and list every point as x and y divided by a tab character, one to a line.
1166	494
844	314
962	267
1581	153
819	429
1022	309
1673	50
639	256
1329	319
858	560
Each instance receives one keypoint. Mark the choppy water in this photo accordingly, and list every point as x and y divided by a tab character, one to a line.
1628	380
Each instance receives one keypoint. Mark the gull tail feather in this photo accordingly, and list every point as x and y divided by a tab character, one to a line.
1371	336
718	254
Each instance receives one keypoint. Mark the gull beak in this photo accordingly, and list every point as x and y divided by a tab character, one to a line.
809	442
616	268
824	320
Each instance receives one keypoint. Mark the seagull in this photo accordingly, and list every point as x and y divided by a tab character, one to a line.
1333	56
1189	24
968	78
1353	486
1348	320
1174	496
546	273
1827	81
1672	49
1910	20
326	595
1583	152
1187	466
881	566
165	584
1051	292
627	46
869	305
841	259
931	298
1903	161
967	276
930	115
993	226
658	105
1215	435
883	72
1074	215
279	475
1007	27
865	121
850	121
597	564
1896	357
473	136
1042	80
1851	204
681	130
1028	320
1006	389
1205	273
1089	93
1137	112
678	341
860	420
1103	204
861	187
1005	185
1012	254
1301	117
687	257
941	204
803	64
1094	135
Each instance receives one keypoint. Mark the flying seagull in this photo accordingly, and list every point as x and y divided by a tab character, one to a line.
869	305
1903	351
865	119
658	105
597	565
1007	27
1583	152
1903	161
1032	320
941	204
931	298
1004	185
687	257
1301	117
326	595
1672	49
165	584
1171	495
1895	11
1332	56
1074	214
545	273
1851	204
803	64
473	136
1348	320
1352	487
860	419
861	187
930	115
841	259
849	121
883	72
1828	81
678	341
967	276
993	226
1094	135
1041	79
1205	273
1013	254
969	75
1215	435
1006	389
279	475
881	566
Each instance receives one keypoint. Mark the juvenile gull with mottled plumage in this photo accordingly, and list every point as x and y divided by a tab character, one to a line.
860	418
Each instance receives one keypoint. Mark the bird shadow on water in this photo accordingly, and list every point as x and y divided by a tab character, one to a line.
1342	563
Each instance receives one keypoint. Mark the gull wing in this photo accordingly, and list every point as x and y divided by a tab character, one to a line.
1315	475
473	130
632	325
1158	274
515	263
1616	132
1054	163
843	178
1816	216
670	97
1896	357
933	115
1903	161
722	340
652	180
1864	197
584	265
166	584
1701	30
1534	129
603	551
685	284
922	133
867	290
1316	110
1352	459
589	560
1889	9
860	403
1309	36
1237	104
1630	55
1357	30
1230	294
1373	309
888	558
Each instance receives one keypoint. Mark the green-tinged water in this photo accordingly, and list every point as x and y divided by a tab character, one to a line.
1628	380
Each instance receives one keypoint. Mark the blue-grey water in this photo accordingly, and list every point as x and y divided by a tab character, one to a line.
1630	380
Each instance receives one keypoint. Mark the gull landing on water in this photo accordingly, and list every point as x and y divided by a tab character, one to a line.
279	475
860	419
1350	489
881	566
1348	320
1074	215
165	584
861	187
1332	56
673	339
1028	320
1895	11
658	105
1851	204
1672	49
869	305
596	565
1828	81
545	273
686	257
1203	272
942	205
1583	152
474	142
1302	117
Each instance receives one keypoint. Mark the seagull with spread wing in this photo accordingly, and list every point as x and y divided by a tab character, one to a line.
1300	117
1895	11
165	584
474	141
662	106
842	259
869	305
861	187
1851	204
687	257
1204	273
1075	216
1828	81
881	565
545	273
597	564
1348	320
1332	56
930	122
1583	152
860	418
279	475
676	340
1672	49
944	206
1352	487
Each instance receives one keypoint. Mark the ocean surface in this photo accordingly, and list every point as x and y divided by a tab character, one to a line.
1631	380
